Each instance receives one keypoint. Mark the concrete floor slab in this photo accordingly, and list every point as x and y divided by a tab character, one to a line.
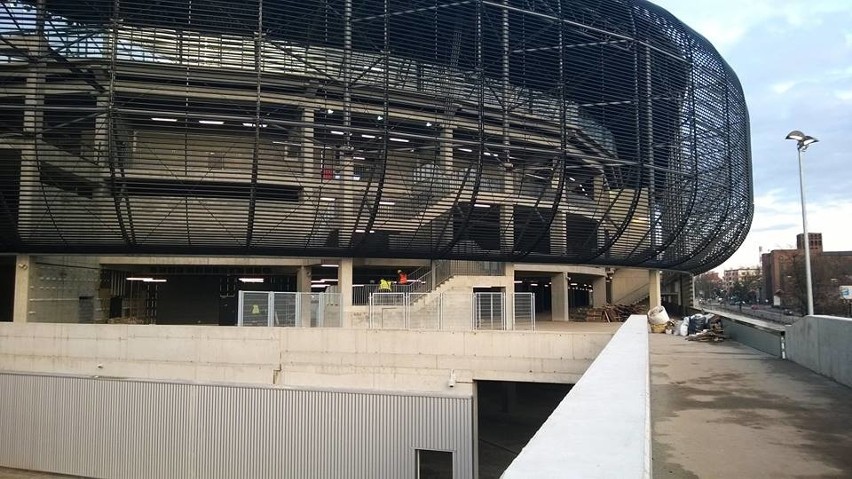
725	410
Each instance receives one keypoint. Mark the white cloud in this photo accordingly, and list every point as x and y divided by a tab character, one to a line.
778	219
845	95
726	22
782	87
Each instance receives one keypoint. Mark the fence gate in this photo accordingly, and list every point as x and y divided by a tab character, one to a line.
389	310
525	311
489	311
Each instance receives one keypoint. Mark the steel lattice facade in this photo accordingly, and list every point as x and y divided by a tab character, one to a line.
593	132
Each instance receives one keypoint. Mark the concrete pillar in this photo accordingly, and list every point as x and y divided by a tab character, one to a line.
687	288
303	279
23	274
509	275
599	292
344	280
654	297
559	296
303	285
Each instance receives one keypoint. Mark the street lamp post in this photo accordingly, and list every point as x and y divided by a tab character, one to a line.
802	143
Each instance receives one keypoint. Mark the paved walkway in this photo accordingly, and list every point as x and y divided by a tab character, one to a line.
728	411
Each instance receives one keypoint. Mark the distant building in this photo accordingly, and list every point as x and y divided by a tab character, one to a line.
731	276
830	270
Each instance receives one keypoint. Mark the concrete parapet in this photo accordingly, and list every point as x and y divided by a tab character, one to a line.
397	360
822	344
602	427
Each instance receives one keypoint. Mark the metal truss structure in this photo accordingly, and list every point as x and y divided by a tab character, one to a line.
576	131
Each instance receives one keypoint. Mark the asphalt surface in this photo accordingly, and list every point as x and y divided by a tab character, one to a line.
725	410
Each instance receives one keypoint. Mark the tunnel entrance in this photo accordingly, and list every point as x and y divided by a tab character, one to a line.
508	415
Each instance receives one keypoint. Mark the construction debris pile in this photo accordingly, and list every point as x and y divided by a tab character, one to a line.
612	313
698	327
701	327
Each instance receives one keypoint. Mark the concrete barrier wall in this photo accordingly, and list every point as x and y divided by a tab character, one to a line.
768	341
822	344
391	360
602	429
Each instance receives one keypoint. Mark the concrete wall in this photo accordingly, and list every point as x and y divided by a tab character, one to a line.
390	360
602	428
762	339
822	344
629	285
56	287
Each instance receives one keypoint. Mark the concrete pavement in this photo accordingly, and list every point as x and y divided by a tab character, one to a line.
728	411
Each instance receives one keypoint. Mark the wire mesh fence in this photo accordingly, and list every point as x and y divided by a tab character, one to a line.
451	311
282	309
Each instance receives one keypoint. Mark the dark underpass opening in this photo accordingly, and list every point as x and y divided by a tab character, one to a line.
508	415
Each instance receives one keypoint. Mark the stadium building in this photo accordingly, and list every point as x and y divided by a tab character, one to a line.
190	164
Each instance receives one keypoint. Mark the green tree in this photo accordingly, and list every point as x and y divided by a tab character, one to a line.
708	285
827	275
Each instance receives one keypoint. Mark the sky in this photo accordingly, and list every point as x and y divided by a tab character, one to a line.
794	60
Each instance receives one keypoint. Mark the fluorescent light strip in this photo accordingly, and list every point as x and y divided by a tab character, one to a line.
137	278
211	122
169	120
387	203
154	281
480	205
399	140
262	125
330	265
250	280
368	136
324	198
337	132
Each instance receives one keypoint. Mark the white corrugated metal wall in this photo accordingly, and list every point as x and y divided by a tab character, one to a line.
136	429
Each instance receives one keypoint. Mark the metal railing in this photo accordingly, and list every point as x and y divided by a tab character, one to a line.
269	308
425	279
451	311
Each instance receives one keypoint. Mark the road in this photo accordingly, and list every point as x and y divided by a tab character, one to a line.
761	312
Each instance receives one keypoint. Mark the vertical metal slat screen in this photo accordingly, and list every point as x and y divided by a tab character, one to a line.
135	429
574	131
